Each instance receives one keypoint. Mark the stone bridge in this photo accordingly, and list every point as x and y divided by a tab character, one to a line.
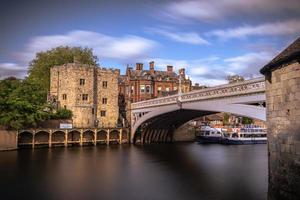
69	137
155	120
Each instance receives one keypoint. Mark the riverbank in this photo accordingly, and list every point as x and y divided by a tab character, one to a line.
8	140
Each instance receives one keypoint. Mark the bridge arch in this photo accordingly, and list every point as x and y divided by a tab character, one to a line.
114	135
58	136
41	137
101	135
88	136
240	99
25	138
74	136
177	116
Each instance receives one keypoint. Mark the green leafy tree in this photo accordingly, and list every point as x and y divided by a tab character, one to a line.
39	68
62	114
22	104
247	120
226	118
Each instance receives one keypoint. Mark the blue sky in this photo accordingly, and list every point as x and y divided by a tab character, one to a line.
211	39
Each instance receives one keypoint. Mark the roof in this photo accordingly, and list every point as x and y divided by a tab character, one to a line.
292	52
147	73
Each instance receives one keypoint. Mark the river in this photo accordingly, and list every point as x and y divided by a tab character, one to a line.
157	171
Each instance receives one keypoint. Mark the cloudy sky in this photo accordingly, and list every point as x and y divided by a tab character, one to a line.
211	39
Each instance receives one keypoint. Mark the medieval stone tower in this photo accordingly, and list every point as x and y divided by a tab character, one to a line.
90	92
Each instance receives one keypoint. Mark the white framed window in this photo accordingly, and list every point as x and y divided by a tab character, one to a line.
167	89
142	88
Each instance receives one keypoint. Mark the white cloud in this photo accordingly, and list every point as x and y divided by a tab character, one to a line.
184	37
248	64
118	48
213	70
12	69
277	28
218	9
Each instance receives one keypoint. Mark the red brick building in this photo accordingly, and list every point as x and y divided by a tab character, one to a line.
141	84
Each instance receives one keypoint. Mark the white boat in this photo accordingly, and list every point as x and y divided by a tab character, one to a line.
248	135
207	134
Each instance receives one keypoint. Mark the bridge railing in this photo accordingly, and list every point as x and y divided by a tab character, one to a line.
241	88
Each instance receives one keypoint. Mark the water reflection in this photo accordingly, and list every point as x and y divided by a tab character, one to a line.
165	171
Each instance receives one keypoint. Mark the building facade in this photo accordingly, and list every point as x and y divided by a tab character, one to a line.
283	114
141	84
90	92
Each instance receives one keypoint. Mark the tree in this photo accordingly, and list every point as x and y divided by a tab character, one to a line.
39	68
226	119
247	120
62	113
22	104
234	79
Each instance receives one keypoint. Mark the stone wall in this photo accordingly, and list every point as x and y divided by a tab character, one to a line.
184	133
70	83
283	119
111	93
8	140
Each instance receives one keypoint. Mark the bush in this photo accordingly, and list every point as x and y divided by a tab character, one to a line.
62	114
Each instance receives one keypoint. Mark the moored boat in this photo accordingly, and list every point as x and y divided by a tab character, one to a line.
207	134
247	135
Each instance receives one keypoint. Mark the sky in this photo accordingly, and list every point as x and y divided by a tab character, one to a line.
211	39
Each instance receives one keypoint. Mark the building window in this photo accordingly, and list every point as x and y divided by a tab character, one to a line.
93	111
167	89
158	90
103	113
142	87
64	96
65	107
175	88
104	84
85	97
132	89
81	81
104	100
148	89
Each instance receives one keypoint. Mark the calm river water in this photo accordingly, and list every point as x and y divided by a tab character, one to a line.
162	171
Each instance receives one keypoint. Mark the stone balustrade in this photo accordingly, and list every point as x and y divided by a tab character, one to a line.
251	86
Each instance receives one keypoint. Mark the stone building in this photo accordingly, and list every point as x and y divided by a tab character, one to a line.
141	84
90	92
283	121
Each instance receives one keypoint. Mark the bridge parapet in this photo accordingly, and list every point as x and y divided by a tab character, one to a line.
251	86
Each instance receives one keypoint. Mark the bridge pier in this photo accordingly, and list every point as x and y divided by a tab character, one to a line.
33	134
66	138
95	137
107	137
81	138
120	136
50	139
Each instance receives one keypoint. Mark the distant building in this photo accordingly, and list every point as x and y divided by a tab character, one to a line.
198	87
235	79
140	84
90	92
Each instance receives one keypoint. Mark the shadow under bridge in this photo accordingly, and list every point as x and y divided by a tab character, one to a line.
160	129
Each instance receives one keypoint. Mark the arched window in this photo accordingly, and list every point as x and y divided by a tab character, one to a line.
148	89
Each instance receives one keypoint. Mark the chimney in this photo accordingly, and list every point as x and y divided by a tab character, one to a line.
182	72
151	65
139	66
169	68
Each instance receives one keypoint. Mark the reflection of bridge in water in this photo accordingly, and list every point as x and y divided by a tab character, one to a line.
156	120
70	137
